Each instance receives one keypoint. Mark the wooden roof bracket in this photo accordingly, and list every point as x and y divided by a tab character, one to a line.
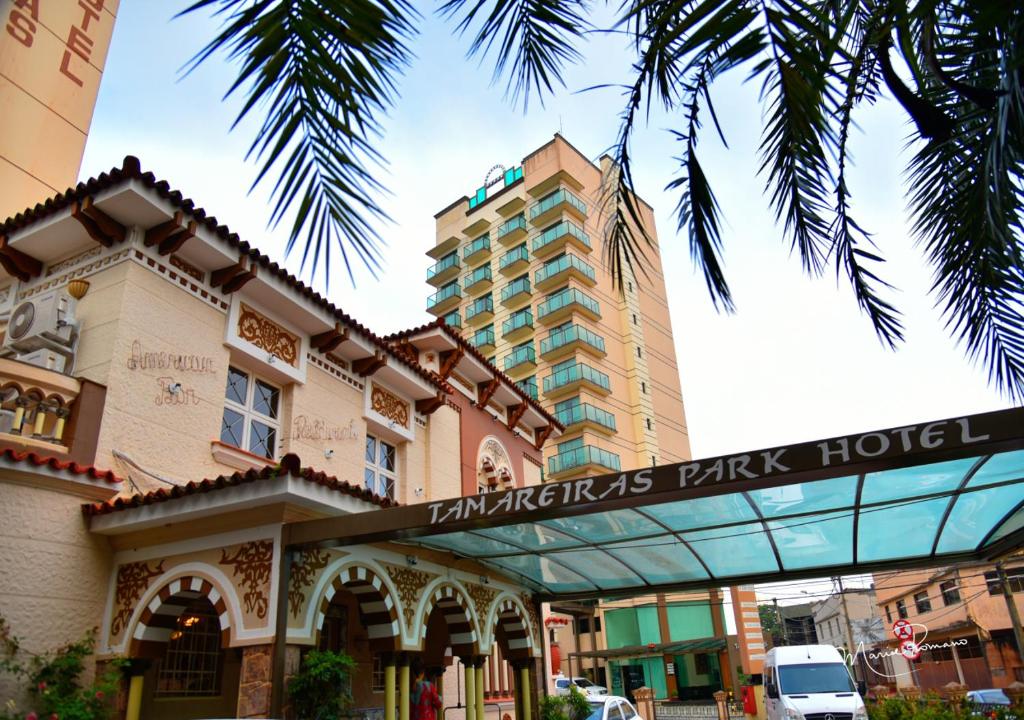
515	413
101	227
541	435
19	264
171	235
428	406
485	391
449	360
233	277
326	342
369	365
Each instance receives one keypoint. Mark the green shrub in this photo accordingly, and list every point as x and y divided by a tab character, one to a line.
552	707
321	689
577	705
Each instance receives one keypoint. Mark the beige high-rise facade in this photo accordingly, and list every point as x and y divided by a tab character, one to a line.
519	269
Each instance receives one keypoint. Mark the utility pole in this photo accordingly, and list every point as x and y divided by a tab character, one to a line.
849	631
1011	606
781	621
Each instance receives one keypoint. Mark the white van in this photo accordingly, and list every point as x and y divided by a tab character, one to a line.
810	682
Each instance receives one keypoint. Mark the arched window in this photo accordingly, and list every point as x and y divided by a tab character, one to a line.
192	662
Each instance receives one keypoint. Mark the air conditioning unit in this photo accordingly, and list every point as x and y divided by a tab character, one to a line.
43	323
46	359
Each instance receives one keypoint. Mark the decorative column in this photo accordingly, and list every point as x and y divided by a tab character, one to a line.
255	681
135	670
478	670
403	686
524	689
58	429
389	686
470	679
20	408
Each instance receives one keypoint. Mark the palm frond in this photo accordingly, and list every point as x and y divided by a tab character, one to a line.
322	74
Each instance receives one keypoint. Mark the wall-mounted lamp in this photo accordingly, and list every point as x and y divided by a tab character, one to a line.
78	288
418	491
411	560
271	359
484	580
174	388
328	453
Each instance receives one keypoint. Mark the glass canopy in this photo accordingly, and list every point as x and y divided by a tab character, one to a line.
916	496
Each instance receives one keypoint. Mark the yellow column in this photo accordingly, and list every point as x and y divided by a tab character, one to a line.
403	688
470	689
524	684
389	687
37	429
134	710
479	689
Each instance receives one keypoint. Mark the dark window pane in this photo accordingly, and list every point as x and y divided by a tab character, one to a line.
950	592
922	602
238	386
901	609
371	449
232	427
386	487
262	439
994	586
387	457
265	399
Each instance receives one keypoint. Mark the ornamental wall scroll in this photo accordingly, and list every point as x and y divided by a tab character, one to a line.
410	584
252	561
389	405
267	335
304	573
132	579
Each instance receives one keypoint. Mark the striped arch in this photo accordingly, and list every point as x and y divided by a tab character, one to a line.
489	472
160	616
378	607
505	479
511	618
452	601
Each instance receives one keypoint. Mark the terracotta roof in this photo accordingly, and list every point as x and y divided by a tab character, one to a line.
131	169
290	465
440	324
72	468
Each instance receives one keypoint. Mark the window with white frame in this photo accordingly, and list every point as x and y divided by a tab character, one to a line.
381	462
251	414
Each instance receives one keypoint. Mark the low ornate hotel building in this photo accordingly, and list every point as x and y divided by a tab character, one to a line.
171	398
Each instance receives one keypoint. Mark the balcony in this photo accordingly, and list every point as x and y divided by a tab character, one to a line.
444	299
521	359
453	319
570	377
516	292
551	206
444	270
560	237
480	311
564	303
519	325
586	459
511	230
562	269
483	340
515	261
35	406
584	416
479	279
477	250
444	247
569	338
528	386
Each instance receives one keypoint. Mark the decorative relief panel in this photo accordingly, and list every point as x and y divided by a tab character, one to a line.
252	561
482	597
531	610
132	581
188	268
303	576
410	584
267	335
389	405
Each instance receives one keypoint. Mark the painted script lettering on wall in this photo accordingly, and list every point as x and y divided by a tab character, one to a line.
307	428
142	360
267	335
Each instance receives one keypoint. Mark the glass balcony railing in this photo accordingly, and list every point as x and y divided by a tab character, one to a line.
521	319
566	227
511	226
569	334
448	261
483	338
520	285
480	244
481	274
567	297
584	455
453	319
480	305
448	291
528	386
560	265
556	198
516	254
519	356
585	412
576	372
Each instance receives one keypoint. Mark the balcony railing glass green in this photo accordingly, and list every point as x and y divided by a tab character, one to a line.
523	318
521	354
561	264
580	456
483	337
558	196
583	412
449	290
516	223
481	273
573	371
448	261
514	255
565	297
566	227
528	386
481	304
519	285
481	243
453	319
570	333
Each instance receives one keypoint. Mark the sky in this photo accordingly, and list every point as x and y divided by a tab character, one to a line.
796	362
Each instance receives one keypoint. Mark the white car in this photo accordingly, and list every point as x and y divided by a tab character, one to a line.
562	684
611	707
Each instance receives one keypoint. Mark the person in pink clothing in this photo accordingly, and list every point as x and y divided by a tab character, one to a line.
424	698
